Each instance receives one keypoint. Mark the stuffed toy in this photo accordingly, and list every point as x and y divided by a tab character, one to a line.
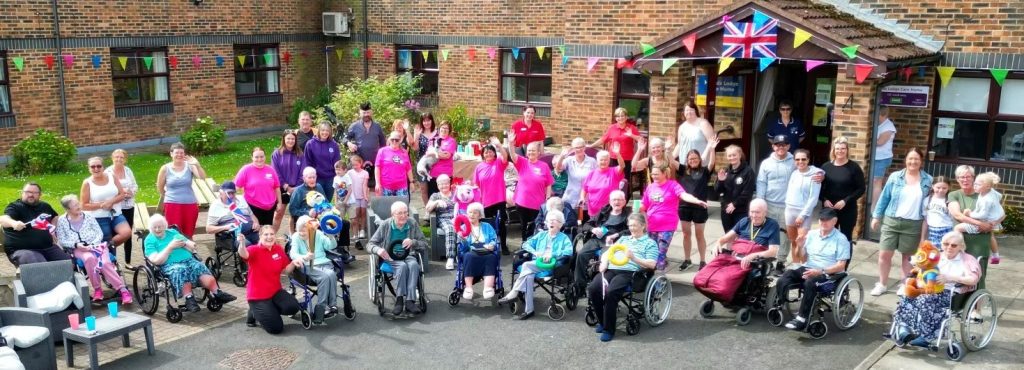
464	195
924	278
324	211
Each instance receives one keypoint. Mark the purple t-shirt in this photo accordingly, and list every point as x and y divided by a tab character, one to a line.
321	155
662	204
533	179
288	167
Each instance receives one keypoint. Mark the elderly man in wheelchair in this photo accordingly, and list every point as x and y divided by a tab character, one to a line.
397	243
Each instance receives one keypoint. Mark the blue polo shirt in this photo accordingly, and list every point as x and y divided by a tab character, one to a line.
767	234
794	132
825	251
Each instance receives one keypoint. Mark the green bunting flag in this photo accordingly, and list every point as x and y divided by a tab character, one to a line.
667	63
19	63
355	52
561	49
268	59
999	74
149	62
648	49
850	51
444	55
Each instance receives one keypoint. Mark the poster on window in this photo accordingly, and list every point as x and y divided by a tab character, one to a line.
946	128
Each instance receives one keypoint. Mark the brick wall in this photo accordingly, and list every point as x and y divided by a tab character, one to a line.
967	26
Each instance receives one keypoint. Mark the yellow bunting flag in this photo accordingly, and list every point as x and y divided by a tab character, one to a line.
123	61
426	54
800	37
540	52
945	73
724	63
241	60
339	53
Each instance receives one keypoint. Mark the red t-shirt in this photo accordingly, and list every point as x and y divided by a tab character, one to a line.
265	266
526	135
615	135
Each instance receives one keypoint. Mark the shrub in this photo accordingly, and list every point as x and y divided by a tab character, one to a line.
386	97
1014	221
311	104
204	137
464	126
43	152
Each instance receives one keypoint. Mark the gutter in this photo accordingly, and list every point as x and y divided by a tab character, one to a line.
366	40
60	70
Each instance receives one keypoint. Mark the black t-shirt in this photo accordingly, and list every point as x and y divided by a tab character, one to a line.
844	182
696	183
29	237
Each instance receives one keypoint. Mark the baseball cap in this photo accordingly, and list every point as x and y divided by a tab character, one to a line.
228	186
779	139
827	214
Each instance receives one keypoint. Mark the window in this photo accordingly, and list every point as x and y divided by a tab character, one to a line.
256	70
634	94
977	120
5	90
410	59
140	76
526	80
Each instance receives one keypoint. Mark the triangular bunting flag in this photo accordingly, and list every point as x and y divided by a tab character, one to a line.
515	53
69	60
339	53
241	60
369	53
760	19
591	62
725	18
920	72
387	53
765	62
49	61
286	57
540	52
863	71
268	59
724	63
355	52
96	61
812	64
173	61
472	54
667	63
491	52
689	41
220	60
197	61
123	61
444	54
647	49
906	72
800	37
148	61
565	60
426	54
561	49
19	63
623	63
999	74
945	73
850	51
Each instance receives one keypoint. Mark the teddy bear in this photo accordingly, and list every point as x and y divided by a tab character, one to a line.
924	278
464	195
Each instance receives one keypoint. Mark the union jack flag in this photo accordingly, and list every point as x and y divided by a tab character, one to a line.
236	212
748	40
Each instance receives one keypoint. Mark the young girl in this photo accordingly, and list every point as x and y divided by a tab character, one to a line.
987	208
359	192
938	221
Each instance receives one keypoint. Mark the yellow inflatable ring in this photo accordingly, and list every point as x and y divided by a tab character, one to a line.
617	255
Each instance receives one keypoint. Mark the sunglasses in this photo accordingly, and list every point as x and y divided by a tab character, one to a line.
96	166
393	140
801	159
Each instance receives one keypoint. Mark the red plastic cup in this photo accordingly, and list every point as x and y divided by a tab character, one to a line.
476	149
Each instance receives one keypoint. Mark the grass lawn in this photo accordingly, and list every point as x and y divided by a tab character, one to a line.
220	166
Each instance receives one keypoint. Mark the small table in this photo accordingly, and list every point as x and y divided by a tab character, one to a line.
107	328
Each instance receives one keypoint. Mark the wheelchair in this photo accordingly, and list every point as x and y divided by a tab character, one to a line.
652	304
975	312
460	278
149	283
226	255
299	281
557	282
840	294
755	294
380	282
79	267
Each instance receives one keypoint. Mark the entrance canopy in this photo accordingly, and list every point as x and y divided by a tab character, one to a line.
830	29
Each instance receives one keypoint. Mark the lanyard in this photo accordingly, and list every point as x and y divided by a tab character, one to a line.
753	235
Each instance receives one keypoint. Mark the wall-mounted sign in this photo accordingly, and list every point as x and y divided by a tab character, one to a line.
912	96
729	92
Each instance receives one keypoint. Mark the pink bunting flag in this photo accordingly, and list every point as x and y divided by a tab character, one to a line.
491	52
689	41
69	60
725	18
196	61
591	62
173	61
863	71
387	53
812	64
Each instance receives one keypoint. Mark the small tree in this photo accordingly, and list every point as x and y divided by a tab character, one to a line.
464	126
204	137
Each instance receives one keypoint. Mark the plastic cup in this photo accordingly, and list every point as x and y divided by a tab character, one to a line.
90	323
112	308
73	320
636	205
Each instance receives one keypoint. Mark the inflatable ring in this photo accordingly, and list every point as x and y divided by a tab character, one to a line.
396	251
462	226
617	255
545	266
330	224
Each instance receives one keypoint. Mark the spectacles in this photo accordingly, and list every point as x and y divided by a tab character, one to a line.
95	166
30	192
289	131
393	140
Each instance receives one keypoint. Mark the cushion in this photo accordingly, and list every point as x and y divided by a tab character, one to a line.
9	359
56	300
23	336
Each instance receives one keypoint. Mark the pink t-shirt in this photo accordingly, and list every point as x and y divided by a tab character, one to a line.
662	204
393	166
445	166
533	179
260	185
598	186
359	179
490	178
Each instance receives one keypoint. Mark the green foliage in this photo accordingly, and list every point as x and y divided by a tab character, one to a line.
1014	221
43	152
204	137
385	97
464	126
311	104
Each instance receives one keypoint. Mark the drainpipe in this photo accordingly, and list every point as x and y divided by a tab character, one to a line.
366	41
60	70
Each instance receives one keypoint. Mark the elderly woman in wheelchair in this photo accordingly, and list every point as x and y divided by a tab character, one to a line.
924	320
316	265
542	252
396	242
79	234
611	283
478	257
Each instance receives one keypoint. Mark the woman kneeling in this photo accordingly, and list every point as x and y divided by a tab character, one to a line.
267	301
607	287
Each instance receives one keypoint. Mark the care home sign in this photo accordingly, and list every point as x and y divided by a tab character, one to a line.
911	96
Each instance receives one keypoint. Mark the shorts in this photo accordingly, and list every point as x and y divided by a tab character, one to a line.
697	215
792	214
935	235
879	167
900	235
285	197
359	203
395	193
108	224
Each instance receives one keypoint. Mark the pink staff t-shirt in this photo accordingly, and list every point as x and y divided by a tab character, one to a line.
598	186
662	204
534	178
393	166
260	185
445	166
490	178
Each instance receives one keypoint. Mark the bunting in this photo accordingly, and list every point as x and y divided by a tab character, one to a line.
220	60
149	62
286	57
355	52
724	63
339	52
765	62
197	61
591	62
863	71
173	61
515	53
387	53
760	18
540	52
668	63
850	51
426	55
689	41
69	60
241	60
812	64
565	60
800	37
19	63
999	74
647	49
123	61
96	61
472	54
369	53
491	53
945	73
444	54
268	59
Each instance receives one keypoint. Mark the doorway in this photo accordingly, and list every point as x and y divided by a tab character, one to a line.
810	93
727	102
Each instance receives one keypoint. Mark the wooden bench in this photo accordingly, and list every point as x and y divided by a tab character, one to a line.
205	191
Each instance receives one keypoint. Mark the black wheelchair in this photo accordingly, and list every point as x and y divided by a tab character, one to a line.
149	283
652	304
460	273
226	255
755	294
840	294
974	317
79	267
381	277
556	283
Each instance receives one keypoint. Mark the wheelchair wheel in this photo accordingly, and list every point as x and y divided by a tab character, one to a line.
372	280
632	326
978	323
955	351
213	266
144	287
572	297
657	300
214	305
775	317
707	309
591	318
556	312
173	314
848	303
421	293
743	316
454	297
307	321
241	272
517	306
817	329
349	312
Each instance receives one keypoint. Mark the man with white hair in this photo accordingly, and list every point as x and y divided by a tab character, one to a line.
756	227
398	232
544	246
297	206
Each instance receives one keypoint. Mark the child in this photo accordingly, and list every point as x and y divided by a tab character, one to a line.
938	221
342	188
359	193
986	209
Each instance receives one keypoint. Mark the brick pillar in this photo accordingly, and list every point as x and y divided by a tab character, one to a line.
854	120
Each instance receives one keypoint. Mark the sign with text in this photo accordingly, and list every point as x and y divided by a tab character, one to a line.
728	93
912	96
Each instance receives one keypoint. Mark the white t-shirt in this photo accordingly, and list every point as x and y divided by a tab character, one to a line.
219	214
357	184
884	151
909	206
336	184
937	214
987	208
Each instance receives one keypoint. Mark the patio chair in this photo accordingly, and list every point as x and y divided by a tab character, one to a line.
26	330
39	279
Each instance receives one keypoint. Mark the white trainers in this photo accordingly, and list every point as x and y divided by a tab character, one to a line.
450	265
467	294
488	293
878	290
901	290
362	234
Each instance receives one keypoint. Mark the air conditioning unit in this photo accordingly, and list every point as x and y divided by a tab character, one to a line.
336	24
